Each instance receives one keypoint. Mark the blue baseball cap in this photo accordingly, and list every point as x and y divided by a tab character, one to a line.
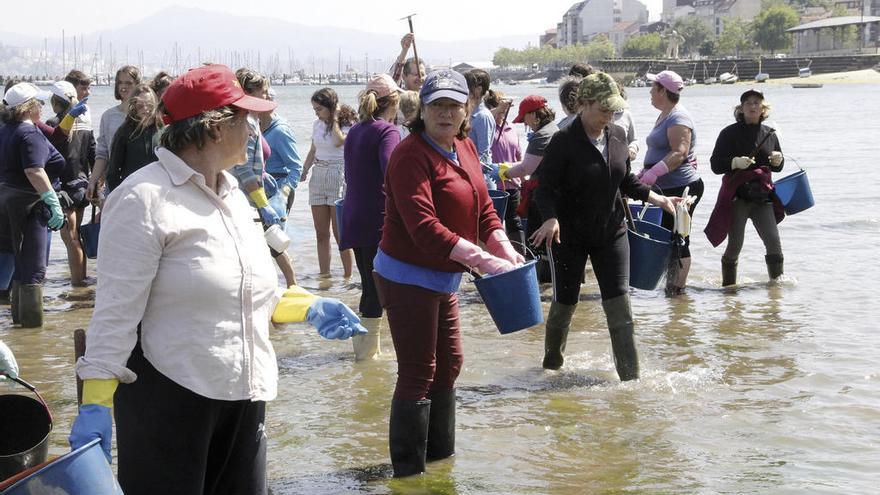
444	83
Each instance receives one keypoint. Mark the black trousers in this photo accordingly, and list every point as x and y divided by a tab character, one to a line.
610	265
369	305
695	188
173	441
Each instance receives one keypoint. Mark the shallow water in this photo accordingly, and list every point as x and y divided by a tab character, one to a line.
769	388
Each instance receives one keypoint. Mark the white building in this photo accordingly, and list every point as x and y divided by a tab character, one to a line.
584	20
711	12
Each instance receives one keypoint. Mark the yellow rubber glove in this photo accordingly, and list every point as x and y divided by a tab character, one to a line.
99	392
67	123
503	167
258	196
293	306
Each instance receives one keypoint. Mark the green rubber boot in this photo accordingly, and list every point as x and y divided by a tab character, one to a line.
728	272
408	436
618	312
556	334
774	265
14	301
30	305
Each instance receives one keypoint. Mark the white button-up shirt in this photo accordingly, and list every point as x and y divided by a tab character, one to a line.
193	268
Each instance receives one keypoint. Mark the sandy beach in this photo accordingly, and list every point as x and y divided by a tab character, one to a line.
866	76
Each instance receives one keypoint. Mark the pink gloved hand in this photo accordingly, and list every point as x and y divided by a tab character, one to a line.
649	176
472	256
499	245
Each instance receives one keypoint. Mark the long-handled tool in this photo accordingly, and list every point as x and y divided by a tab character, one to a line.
415	52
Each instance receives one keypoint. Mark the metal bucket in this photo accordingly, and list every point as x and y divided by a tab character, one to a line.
25	425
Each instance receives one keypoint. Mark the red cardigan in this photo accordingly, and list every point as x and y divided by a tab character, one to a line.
430	203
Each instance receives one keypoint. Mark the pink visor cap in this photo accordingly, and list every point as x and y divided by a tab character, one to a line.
383	85
668	79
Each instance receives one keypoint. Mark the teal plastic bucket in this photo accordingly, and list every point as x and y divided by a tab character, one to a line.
7	268
649	250
794	192
512	298
83	471
499	199
653	215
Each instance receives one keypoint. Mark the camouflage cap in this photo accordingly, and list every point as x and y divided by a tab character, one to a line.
602	88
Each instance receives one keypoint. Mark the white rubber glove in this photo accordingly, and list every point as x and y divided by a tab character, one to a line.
775	158
7	362
741	162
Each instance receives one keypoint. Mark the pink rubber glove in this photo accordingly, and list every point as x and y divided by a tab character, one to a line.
649	176
472	256
499	245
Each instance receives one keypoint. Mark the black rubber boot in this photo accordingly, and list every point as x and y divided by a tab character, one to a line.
441	427
618	312
556	334
14	292
30	305
408	436
728	272
774	265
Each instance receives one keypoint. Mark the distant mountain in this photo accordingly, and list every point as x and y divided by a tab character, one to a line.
202	35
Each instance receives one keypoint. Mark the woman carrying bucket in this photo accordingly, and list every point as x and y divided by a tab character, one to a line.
746	153
179	342
436	212
671	164
585	169
368	149
29	206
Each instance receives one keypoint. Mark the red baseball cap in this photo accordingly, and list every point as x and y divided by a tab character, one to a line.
206	88
529	104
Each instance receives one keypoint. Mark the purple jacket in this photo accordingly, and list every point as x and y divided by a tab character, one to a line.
368	148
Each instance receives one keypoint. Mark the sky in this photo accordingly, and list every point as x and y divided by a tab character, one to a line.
435	20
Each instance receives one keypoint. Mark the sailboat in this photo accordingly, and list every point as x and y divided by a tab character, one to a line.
693	79
761	76
710	80
729	77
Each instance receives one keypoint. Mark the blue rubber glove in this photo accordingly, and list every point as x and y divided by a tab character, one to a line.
79	109
333	319
93	422
7	362
269	216
56	221
491	171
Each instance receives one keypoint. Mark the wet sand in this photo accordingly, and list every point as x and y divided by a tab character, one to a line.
867	76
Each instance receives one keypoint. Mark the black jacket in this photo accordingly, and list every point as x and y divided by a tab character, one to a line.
741	139
581	190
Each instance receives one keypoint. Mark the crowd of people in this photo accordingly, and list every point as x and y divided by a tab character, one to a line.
191	173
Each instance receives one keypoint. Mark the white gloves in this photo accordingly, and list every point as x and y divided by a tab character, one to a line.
775	158
741	162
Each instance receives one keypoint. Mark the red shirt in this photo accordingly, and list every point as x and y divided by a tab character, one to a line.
431	202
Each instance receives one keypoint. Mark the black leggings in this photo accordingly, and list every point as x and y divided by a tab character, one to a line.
369	305
173	441
695	189
610	265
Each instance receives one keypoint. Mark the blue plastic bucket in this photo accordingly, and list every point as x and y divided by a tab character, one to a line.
88	235
653	215
648	256
499	199
794	192
512	298
83	471
7	268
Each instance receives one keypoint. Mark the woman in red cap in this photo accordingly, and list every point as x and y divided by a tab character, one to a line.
179	340
539	117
